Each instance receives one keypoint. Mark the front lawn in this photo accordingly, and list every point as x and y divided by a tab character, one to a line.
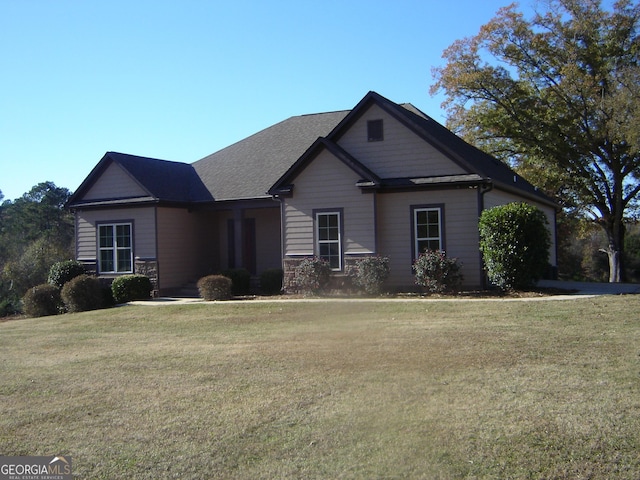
414	389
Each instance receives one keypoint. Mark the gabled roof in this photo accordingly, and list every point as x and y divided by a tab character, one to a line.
367	177
266	163
471	159
163	181
247	169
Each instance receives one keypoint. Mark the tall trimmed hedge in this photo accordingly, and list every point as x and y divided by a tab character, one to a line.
515	242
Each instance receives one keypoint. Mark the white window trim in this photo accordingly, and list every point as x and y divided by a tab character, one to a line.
416	239
326	242
115	247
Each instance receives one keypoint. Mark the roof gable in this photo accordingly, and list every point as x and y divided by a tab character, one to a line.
472	160
283	185
143	180
401	153
114	182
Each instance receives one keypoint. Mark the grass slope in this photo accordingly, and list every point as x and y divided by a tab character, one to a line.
484	389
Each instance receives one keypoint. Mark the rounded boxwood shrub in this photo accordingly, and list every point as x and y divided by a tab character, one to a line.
515	242
437	273
61	272
370	273
271	281
215	287
42	300
240	280
82	293
312	275
131	287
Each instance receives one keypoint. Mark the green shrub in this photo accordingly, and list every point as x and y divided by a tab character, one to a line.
312	275
33	265
10	302
61	272
370	273
131	287
42	300
82	293
271	281
215	287
240	280
437	273
515	242
107	296
8	307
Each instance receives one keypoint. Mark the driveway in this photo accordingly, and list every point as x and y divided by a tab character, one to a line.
589	288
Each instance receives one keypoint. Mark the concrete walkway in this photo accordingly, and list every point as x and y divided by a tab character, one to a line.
574	290
589	288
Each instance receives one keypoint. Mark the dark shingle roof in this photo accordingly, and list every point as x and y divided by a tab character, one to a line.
162	180
267	160
248	169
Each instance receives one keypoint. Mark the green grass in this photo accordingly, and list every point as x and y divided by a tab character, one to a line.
413	389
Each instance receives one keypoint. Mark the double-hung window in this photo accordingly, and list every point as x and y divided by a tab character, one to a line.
115	248
329	238
427	227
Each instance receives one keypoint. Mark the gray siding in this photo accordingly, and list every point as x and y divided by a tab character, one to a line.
114	183
460	218
143	220
401	154
327	183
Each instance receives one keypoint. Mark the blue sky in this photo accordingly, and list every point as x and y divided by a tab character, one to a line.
178	80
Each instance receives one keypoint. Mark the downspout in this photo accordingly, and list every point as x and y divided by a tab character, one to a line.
485	187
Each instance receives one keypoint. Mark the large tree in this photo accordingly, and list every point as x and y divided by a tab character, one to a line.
557	96
35	232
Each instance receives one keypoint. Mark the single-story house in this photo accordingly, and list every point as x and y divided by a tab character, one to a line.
380	179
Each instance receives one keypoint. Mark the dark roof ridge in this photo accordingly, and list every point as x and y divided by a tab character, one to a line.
141	157
344	110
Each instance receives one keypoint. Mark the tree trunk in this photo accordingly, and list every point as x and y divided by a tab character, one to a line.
615	266
615	230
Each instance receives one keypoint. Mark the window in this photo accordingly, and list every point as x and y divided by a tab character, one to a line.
375	131
115	248
427	229
328	231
